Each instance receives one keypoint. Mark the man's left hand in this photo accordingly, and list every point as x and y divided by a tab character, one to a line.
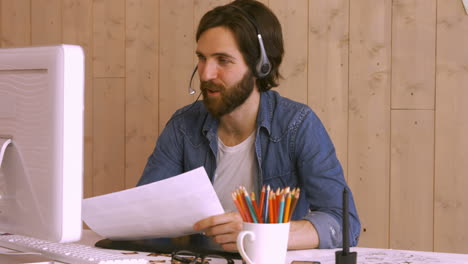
223	229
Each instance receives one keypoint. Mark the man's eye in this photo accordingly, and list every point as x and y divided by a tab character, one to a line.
224	61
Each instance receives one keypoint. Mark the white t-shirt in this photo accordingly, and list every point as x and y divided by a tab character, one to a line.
236	166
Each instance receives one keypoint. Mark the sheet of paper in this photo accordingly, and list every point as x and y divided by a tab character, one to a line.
166	208
379	256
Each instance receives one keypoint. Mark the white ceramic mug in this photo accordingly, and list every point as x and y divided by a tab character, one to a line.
263	243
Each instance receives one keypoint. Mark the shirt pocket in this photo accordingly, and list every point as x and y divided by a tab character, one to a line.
280	179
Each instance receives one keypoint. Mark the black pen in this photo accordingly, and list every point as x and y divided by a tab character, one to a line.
344	256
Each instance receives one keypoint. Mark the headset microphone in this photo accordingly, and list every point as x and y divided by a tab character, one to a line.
191	92
190	89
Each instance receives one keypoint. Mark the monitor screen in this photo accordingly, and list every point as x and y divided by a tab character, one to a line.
41	141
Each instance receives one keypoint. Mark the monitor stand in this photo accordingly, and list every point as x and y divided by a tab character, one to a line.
17	198
4	142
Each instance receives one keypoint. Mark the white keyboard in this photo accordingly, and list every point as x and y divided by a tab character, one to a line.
68	252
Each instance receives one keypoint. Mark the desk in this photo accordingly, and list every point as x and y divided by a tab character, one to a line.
365	255
380	256
325	256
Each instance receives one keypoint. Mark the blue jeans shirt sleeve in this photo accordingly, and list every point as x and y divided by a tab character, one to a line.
321	175
166	159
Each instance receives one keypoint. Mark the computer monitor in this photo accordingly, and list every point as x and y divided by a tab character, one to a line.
41	141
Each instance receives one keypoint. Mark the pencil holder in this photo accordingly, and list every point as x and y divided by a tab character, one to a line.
263	243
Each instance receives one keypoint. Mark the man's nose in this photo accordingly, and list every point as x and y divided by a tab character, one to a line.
208	71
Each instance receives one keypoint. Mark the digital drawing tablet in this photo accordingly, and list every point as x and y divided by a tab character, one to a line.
196	243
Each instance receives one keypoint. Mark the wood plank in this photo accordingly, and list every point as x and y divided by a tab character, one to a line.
46	22
109	38
109	135
451	166
293	16
141	98
176	53
200	8
412	180
413	54
328	69
77	29
15	22
369	117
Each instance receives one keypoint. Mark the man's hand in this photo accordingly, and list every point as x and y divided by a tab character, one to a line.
223	229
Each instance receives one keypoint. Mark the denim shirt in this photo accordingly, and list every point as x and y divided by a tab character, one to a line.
292	148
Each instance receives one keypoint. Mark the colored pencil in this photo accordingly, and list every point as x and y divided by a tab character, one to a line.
281	210
267	203
255	205
287	207
273	206
293	198
250	206
271	217
262	201
294	203
238	206
279	193
244	206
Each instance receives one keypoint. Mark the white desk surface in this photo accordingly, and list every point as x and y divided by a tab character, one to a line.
325	256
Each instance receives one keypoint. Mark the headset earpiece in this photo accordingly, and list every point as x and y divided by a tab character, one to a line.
263	65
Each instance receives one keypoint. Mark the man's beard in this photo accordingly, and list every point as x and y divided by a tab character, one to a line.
229	98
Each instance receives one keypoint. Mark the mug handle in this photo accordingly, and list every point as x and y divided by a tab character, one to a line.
240	244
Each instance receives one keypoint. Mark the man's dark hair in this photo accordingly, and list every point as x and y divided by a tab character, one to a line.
246	35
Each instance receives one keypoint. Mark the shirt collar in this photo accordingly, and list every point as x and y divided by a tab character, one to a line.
210	126
265	111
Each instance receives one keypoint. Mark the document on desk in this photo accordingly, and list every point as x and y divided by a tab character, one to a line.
167	208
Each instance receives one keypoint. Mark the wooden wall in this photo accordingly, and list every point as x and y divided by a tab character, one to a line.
388	78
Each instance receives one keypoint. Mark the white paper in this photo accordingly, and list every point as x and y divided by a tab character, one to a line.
166	208
379	256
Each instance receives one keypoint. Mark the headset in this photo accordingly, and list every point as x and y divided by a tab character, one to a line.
263	67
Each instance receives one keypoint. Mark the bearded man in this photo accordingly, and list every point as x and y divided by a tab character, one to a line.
245	134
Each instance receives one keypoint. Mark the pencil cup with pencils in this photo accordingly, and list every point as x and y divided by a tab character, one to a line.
263	243
264	239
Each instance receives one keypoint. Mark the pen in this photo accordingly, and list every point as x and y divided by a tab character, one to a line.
345	223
